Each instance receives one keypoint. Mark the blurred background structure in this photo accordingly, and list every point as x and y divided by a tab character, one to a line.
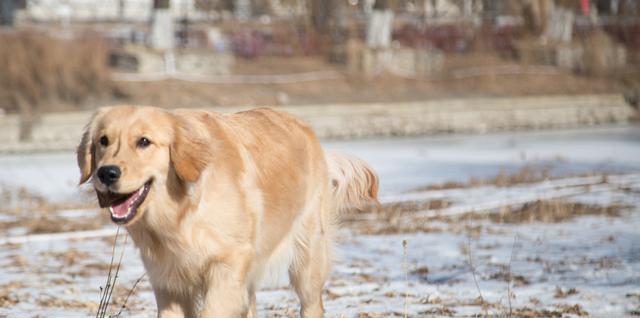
64	55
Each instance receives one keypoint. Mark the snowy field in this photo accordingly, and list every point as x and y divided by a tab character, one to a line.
525	225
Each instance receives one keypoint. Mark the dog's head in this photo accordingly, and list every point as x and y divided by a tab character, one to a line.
134	155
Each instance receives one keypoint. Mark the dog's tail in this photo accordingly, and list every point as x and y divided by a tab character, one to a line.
354	183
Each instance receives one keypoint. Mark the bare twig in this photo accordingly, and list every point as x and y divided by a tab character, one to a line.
124	305
406	278
103	291
473	269
483	304
513	247
115	276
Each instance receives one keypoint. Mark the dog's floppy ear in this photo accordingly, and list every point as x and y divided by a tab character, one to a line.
86	149
189	151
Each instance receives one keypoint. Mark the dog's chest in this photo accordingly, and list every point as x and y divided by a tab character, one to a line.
178	272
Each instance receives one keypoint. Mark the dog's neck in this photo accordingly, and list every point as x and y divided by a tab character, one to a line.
154	232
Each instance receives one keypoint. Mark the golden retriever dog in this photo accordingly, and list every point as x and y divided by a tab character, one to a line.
215	201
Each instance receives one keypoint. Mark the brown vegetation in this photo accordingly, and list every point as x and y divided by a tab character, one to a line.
38	70
38	215
56	224
21	201
529	173
552	211
393	218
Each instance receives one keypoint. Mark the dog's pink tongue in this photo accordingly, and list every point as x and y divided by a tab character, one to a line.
121	210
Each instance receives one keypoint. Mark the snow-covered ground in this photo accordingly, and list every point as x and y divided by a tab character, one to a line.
569	265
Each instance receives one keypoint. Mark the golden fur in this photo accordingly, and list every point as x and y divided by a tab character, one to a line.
231	197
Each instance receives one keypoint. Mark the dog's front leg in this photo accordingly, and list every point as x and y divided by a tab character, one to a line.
171	305
227	294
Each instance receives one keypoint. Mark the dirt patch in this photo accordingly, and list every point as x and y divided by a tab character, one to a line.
384	88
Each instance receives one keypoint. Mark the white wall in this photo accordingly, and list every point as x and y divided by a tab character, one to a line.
102	10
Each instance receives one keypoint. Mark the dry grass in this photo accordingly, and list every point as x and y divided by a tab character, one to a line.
529	173
38	215
439	311
393	218
526	312
37	70
57	302
24	202
564	293
8	297
401	218
505	276
552	211
561	310
60	224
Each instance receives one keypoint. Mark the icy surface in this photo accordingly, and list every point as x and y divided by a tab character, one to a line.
402	163
410	162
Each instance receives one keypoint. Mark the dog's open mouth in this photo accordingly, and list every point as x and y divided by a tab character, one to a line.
123	206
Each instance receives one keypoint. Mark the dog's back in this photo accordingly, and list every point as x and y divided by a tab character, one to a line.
289	145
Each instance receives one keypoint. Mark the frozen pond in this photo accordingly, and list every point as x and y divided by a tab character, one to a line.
410	162
404	163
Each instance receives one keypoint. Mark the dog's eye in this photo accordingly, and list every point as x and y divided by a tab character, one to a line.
143	142
104	141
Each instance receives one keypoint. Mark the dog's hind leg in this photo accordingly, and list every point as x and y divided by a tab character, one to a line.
310	266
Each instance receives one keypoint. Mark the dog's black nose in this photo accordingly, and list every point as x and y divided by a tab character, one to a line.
109	174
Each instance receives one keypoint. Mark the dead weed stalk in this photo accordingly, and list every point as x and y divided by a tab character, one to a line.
107	291
405	264
513	247
473	273
124	305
